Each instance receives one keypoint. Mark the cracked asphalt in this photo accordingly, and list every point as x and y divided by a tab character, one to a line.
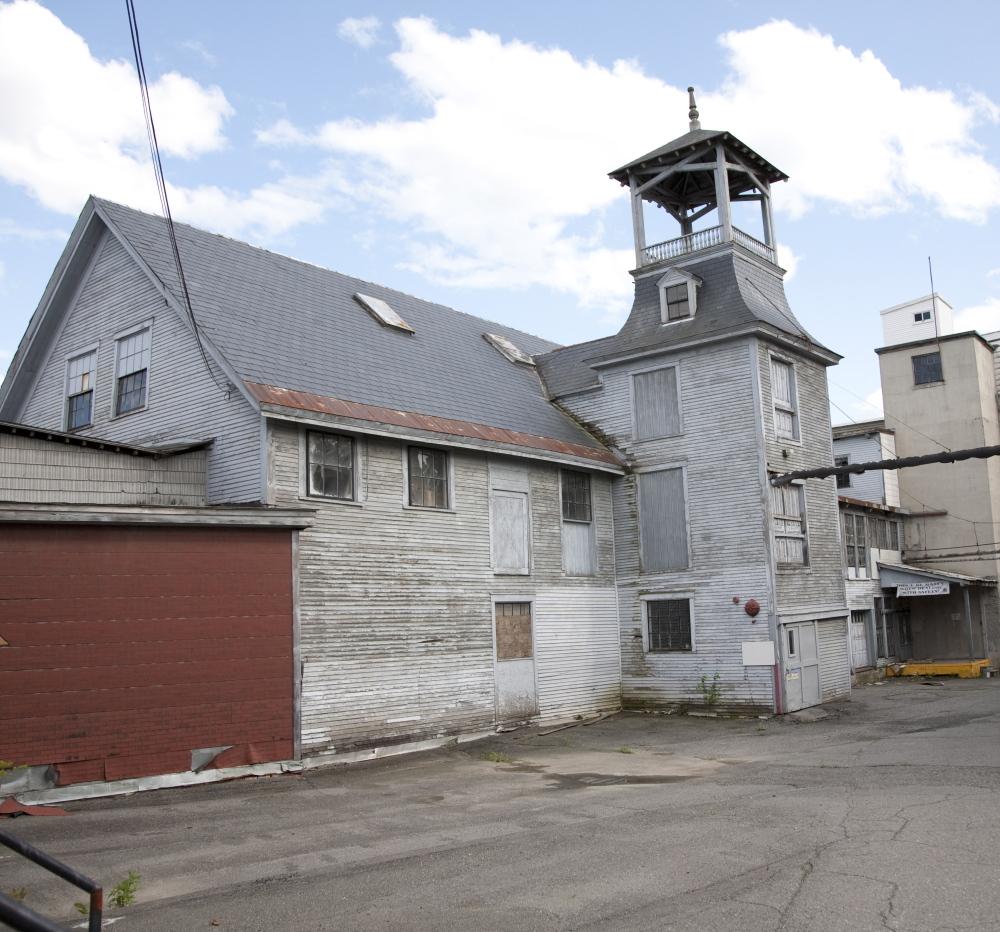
883	815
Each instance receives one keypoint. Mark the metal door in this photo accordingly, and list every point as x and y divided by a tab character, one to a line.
800	659
516	693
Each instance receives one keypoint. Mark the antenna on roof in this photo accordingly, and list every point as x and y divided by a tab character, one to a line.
693	111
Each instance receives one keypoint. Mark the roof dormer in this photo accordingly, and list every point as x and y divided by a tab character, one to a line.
678	295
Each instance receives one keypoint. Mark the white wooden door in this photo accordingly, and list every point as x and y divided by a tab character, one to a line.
860	651
514	670
800	662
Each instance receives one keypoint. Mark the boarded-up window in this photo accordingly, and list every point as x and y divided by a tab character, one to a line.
669	624
662	521
789	505
509	531
783	394
513	623
657	408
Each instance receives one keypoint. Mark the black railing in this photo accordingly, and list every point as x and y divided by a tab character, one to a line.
19	917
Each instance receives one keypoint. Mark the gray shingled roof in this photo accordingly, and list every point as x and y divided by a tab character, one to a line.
290	324
736	295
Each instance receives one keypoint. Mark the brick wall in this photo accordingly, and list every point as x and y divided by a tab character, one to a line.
131	646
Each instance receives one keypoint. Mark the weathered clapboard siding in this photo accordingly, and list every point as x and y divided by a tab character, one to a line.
396	602
37	470
861	448
820	585
185	403
576	651
834	672
719	453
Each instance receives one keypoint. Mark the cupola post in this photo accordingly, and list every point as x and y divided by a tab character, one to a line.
702	171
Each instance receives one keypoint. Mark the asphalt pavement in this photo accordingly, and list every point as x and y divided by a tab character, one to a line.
876	813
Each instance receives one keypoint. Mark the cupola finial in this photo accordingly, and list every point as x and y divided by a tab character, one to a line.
693	111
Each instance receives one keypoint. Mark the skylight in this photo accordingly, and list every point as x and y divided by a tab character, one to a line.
383	313
512	352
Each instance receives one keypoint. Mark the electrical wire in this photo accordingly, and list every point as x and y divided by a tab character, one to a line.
161	186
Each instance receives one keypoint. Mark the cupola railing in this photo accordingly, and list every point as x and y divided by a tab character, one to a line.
702	239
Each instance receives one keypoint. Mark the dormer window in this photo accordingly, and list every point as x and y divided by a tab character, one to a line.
678	295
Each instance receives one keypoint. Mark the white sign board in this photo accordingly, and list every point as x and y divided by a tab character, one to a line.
923	588
758	653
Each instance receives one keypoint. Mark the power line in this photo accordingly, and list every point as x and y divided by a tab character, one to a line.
161	185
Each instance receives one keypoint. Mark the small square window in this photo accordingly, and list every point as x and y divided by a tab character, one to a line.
331	465
132	370
844	479
576	496
678	305
428	478
927	368
921	315
669	622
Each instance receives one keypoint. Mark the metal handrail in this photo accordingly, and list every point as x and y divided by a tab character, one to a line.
15	910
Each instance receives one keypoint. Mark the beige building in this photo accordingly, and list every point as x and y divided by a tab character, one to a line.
940	395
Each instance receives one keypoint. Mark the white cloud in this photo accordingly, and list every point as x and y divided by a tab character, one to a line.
504	182
9	229
71	125
788	260
983	317
871	408
363	32
193	45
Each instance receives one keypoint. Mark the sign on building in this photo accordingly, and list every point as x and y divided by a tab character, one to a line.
923	588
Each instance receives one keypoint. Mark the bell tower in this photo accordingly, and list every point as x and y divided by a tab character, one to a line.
702	171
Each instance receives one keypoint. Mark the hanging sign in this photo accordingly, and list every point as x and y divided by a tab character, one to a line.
923	588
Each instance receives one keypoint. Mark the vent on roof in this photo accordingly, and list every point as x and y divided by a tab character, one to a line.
509	349
383	313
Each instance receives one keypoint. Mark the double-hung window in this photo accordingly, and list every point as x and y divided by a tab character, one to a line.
428	478
783	395
843	479
856	545
330	466
668	624
789	505
80	373
132	371
577	524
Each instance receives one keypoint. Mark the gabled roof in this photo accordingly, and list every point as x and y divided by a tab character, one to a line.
297	328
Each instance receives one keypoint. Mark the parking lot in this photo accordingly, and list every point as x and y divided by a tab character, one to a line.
881	815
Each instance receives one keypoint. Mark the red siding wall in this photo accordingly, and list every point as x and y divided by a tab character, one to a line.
131	646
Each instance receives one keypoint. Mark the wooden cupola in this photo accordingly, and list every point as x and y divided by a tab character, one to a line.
702	171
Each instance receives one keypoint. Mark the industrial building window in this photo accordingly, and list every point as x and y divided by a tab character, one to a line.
80	390
885	534
669	624
331	465
920	316
844	479
655	403
575	496
663	535
428	478
856	545
789	505
132	372
783	396
927	368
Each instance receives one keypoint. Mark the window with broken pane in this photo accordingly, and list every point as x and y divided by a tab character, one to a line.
80	391
133	372
331	465
428	478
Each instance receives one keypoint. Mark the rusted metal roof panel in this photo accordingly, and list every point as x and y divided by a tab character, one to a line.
306	401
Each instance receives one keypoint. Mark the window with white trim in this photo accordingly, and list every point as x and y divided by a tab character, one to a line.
789	505
668	625
132	371
330	468
428	477
80	374
579	557
783	396
856	545
678	295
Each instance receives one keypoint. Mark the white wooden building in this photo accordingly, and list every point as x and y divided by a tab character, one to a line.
504	529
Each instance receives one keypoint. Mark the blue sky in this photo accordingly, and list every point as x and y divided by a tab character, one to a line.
459	151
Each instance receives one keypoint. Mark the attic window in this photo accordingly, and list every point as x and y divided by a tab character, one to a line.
512	352
384	314
678	295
